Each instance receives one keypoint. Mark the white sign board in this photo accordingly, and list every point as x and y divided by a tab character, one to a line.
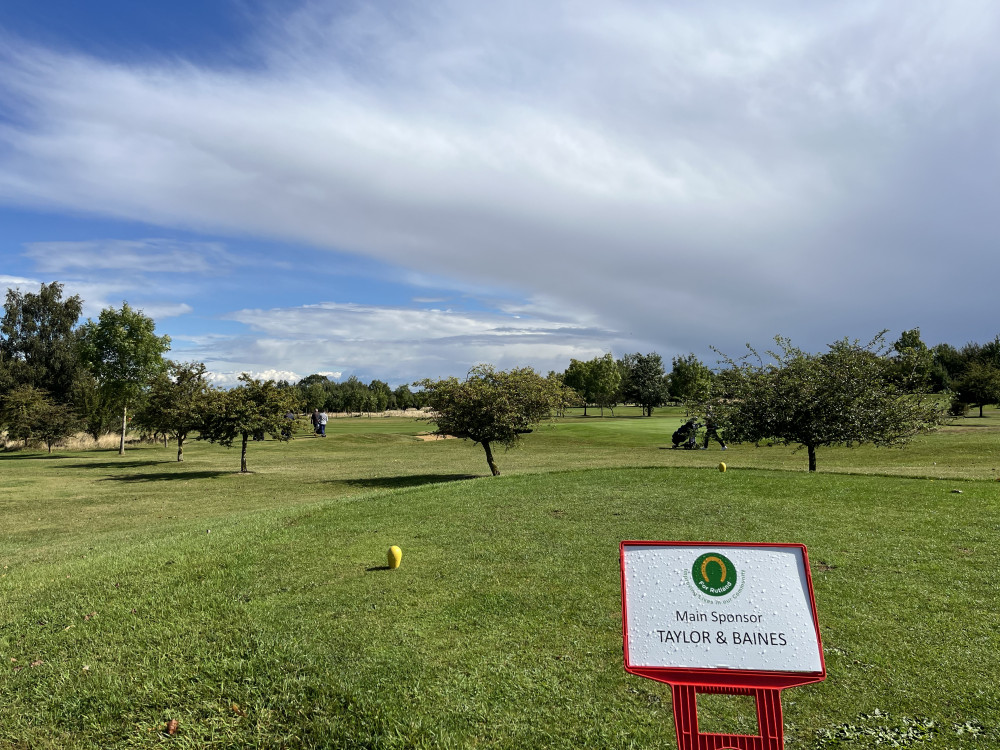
719	607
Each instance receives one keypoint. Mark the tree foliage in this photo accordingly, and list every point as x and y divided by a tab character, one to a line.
37	341
846	396
29	413
177	402
980	385
254	408
912	362
690	379
597	381
644	381
491	406
124	353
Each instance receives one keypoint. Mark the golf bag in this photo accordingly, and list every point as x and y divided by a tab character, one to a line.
686	436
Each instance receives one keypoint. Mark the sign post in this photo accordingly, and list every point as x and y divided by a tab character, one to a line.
721	617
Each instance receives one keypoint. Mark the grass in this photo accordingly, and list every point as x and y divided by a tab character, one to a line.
257	610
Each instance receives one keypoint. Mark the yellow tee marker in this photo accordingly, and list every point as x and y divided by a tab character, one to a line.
722	467
395	556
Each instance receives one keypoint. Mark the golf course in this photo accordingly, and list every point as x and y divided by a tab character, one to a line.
146	602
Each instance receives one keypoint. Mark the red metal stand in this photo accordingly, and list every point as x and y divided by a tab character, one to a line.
769	721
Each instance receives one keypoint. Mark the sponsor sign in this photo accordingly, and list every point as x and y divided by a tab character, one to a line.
744	608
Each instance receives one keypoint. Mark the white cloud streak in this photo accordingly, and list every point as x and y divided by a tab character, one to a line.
396	344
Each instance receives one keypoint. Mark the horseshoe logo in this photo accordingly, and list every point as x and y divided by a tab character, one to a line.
714	574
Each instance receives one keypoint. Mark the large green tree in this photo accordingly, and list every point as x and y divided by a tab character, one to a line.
29	413
690	379
125	354
256	407
845	396
597	381
177	401
38	341
644	381
980	385
491	406
912	361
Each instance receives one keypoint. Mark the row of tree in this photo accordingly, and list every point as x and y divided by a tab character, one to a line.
970	374
57	377
638	379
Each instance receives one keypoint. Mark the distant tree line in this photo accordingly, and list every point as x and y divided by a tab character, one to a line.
58	377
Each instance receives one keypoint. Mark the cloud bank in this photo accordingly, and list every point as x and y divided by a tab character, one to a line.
670	176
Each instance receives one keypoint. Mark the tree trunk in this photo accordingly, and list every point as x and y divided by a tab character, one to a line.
584	408
489	459
812	457
980	411
180	448
243	456
121	445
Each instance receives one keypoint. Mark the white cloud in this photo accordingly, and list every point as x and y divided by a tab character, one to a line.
394	343
17	282
145	256
231	378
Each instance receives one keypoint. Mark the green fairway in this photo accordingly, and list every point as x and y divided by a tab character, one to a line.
257	610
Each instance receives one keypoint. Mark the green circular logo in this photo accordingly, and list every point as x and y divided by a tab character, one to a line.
714	574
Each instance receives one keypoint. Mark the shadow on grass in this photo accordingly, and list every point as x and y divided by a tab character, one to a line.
417	480
168	475
377	567
12	455
123	464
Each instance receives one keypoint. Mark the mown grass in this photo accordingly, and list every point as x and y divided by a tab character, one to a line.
257	610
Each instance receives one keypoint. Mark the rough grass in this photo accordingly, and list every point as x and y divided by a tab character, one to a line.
256	610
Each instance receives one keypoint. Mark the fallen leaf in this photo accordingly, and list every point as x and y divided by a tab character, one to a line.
87	617
172	727
37	663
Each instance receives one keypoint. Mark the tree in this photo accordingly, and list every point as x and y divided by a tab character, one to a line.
254	408
597	381
947	366
912	361
980	385
606	381
177	401
124	354
565	396
55	422
578	377
37	341
403	396
690	380
19	409
644	381
380	393
490	406
846	396
91	405
28	413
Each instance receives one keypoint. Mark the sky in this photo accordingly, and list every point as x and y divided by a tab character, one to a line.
400	190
